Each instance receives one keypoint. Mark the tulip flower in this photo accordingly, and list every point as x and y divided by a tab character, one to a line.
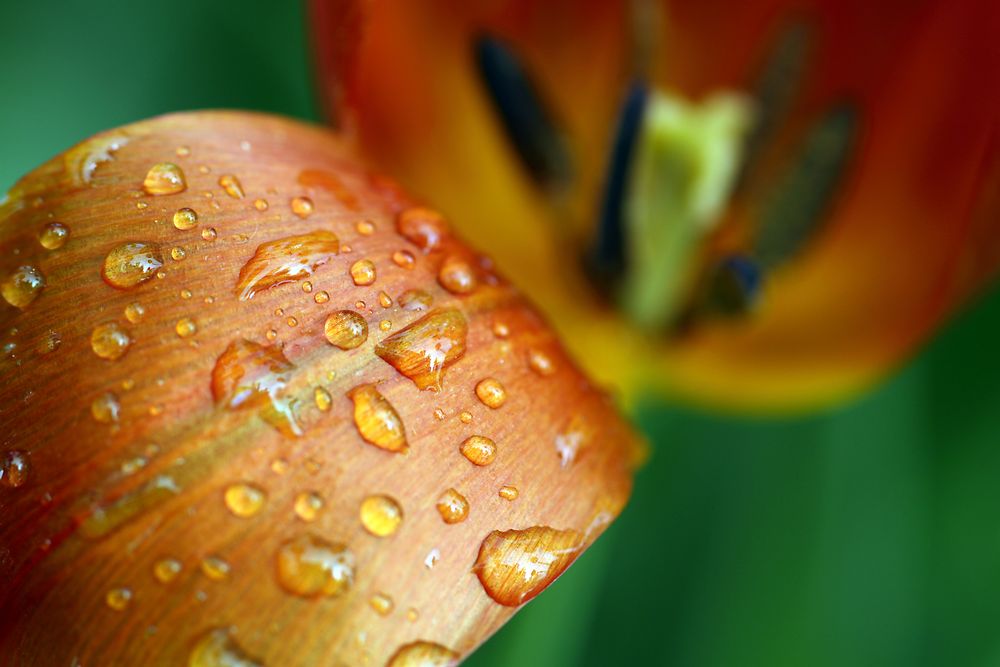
761	206
260	407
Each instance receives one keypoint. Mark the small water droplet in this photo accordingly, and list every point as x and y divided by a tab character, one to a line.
109	341
166	570
285	260
363	272
431	559
508	492
108	518
452	506
165	178
423	654
322	398
49	342
381	515
291	321
457	276
131	264
232	186
209	234
422	227
541	363
310	566
465	417
244	499
382	604
424	349
491	393
183	151
404	259
271	335
279	466
321	297
345	329
105	408
384	325
22	286
308	505
377	421
118	598
365	227
178	253
415	300
186	327
53	236
516	565
479	450
134	312
302	206
14	468
185	218
438	414
260	204
500	330
360	305
412	614
307	287
216	648
186	294
215	568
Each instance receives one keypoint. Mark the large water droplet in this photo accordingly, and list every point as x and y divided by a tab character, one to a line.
424	349
381	515
423	654
452	506
185	218
479	450
22	286
308	505
345	329
131	263
363	272
423	227
53	236
165	178
302	206
232	186
105	408
14	468
109	341
516	565
244	500
216	648
285	260
310	566
249	376
491	392
376	420
457	276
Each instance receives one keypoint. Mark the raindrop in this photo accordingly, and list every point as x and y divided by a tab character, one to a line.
302	206
479	450
166	570
457	276
54	236
452	506
14	468
491	393
382	604
109	341
186	327
424	349
131	264
22	286
508	492
285	260
381	515
345	329
185	218
244	500
422	227
105	408
215	568
216	648
134	312
423	654
322	398
363	272
308	505
118	598
516	565
232	186
165	178
404	259
377	421
310	566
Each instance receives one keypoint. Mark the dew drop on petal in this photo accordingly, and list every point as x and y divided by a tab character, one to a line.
381	515
363	272
105	408
382	604
508	492
217	648
244	499
308	505
345	329
131	264
134	312
423	350
285	260
302	206
491	392
118	598
322	398
53	236
479	449
422	227
165	178
166	570
231	185
22	286
215	568
310	566
457	276
377	421
423	654
516	565
109	341
186	327
452	506
14	468
185	218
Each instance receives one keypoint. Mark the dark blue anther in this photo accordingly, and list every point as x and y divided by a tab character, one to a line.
530	128
606	258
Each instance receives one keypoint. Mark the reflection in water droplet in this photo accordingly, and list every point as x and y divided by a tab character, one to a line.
260	204
491	392
216	648
508	492
540	363
209	234
308	505
22	286
249	376
53	236
310	566
105	408
316	178
322	398
363	272
516	565
109	341
131	264
415	300
302	206
215	568
500	330
244	500
285	260
345	329
14	468
377	421
423	654
452	506
118	598
185	218
424	349
422	227
381	603
457	276
381	515
479	450
186	327
232	186
384	300
165	178
178	253
321	297
134	312
166	570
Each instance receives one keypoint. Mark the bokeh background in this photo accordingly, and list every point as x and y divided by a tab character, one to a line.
869	535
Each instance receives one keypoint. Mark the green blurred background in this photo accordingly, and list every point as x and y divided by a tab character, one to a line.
865	536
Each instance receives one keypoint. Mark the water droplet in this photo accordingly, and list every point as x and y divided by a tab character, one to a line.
516	565
363	272
178	253
186	327
279	466
22	286
431	559
106	519
260	204
118	598
216	648
345	329
105	408
500	330
244	500
14	468
185	218
307	287
384	325
165	178
302	206
308	505
570	440
322	398
491	393
508	492
166	570
422	227
183	151
134	312
109	341
384	300
131	264
457	276
310	566
381	515
321	297
415	300
404	259
291	321
232	186
540	363
209	234
54	236
186	294
412	615
49	342
479	449
365	227
465	417
285	260
311	178
249	376
360	305
214	568
271	335
377	421
438	414
452	506
382	604
423	654
424	349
